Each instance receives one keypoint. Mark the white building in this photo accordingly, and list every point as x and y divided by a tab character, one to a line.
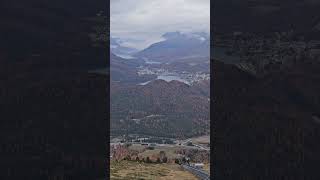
198	165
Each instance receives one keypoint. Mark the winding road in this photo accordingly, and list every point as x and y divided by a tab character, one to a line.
197	172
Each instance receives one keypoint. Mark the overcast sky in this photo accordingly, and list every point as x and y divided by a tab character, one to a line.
142	22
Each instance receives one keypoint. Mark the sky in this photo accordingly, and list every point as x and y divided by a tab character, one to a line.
139	23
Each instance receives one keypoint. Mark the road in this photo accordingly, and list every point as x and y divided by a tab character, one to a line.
197	172
195	145
180	143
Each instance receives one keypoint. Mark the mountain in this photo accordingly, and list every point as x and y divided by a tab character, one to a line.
121	69
120	50
125	70
172	108
178	45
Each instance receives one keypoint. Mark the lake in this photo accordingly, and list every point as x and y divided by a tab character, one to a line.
152	62
168	78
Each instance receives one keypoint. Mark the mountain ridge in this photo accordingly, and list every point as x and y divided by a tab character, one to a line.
177	45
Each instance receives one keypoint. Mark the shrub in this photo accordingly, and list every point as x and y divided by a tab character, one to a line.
184	160
165	160
148	160
177	161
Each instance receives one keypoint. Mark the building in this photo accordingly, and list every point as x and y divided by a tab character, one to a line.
198	165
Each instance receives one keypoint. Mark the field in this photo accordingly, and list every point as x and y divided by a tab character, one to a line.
170	151
206	168
125	170
201	140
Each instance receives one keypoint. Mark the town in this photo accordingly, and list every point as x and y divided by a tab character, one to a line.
184	76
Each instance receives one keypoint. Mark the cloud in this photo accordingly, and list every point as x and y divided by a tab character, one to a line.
143	22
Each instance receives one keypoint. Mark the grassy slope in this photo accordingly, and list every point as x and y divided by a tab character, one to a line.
134	170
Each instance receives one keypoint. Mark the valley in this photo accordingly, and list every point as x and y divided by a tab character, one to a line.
169	95
159	114
167	74
159	92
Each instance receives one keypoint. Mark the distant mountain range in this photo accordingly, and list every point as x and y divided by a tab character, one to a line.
120	50
177	45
